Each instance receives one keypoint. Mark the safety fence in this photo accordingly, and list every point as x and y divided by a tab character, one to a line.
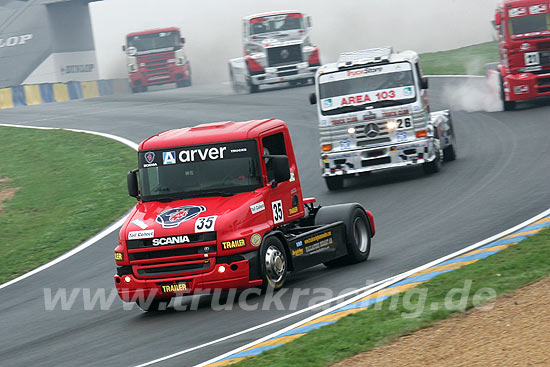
35	94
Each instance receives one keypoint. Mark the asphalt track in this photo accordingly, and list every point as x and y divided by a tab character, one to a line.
499	180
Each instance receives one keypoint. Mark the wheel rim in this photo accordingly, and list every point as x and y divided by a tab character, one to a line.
275	264
360	234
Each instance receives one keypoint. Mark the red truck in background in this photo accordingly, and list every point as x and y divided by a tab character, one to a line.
155	57
523	28
219	207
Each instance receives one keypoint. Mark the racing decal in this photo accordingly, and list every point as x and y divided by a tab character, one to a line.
174	240
205	224
138	235
298	252
119	256
396	113
517	12
293	210
258	207
141	224
277	208
292	177
230	245
318	242
256	239
172	218
538	9
370	97
169	157
179	287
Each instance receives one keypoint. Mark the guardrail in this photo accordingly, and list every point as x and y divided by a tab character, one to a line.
35	94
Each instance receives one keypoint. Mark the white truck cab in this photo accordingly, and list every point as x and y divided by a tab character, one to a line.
277	49
374	114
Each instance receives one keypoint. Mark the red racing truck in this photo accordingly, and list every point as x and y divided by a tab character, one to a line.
523	28
219	207
155	57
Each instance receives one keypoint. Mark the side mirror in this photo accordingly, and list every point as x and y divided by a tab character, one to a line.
424	83
123	47
182	39
312	98
131	180
308	20
281	168
498	18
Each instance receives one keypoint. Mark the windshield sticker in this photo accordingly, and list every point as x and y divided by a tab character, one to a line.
149	157
138	235
258	207
364	72
371	97
205	224
169	157
537	9
517	12
172	218
141	224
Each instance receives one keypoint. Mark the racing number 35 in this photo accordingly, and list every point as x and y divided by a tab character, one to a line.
205	224
277	207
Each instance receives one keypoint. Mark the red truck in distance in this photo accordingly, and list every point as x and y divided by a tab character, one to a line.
156	57
220	206
523	28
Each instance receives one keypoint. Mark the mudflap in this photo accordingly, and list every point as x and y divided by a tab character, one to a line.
318	246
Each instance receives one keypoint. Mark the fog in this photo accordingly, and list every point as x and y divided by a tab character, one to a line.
213	28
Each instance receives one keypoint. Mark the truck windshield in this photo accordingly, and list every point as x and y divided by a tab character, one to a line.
377	86
221	169
525	26
154	42
276	23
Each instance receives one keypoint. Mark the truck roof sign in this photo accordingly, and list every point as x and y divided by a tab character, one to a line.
365	56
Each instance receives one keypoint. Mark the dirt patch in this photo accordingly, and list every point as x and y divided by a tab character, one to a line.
515	332
6	193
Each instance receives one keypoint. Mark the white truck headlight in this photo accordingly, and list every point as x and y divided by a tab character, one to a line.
132	68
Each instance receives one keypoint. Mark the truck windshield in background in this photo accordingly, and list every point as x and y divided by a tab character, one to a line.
524	26
276	23
154	42
200	170
377	86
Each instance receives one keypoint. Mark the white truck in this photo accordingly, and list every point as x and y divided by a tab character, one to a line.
277	49
374	114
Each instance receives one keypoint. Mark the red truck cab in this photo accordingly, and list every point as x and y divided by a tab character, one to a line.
155	57
220	206
523	28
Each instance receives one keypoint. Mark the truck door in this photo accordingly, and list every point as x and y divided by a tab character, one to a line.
285	198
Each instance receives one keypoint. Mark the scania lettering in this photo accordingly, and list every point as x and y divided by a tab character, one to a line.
277	49
235	219
374	114
523	28
156	57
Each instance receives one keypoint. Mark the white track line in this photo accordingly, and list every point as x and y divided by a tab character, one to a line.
371	289
113	227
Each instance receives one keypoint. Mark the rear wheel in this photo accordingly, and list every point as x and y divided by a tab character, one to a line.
334	183
274	263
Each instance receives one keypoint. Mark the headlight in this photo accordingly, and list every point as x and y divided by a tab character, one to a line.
132	68
180	61
391	125
351	130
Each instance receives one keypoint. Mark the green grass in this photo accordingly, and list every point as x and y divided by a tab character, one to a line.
70	186
469	60
504	272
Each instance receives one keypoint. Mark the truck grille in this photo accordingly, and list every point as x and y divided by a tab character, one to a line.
376	162
172	269
156	66
193	238
285	55
160	254
545	58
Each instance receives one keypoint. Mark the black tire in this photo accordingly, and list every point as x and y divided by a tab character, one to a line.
507	105
449	153
273	263
358	231
188	82
143	88
435	165
236	88
334	183
180	84
135	90
152	305
254	88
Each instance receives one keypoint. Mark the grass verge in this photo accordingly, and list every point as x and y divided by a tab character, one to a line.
69	186
503	272
469	60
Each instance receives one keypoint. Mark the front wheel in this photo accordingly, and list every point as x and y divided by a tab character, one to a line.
508	105
435	165
274	263
334	183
